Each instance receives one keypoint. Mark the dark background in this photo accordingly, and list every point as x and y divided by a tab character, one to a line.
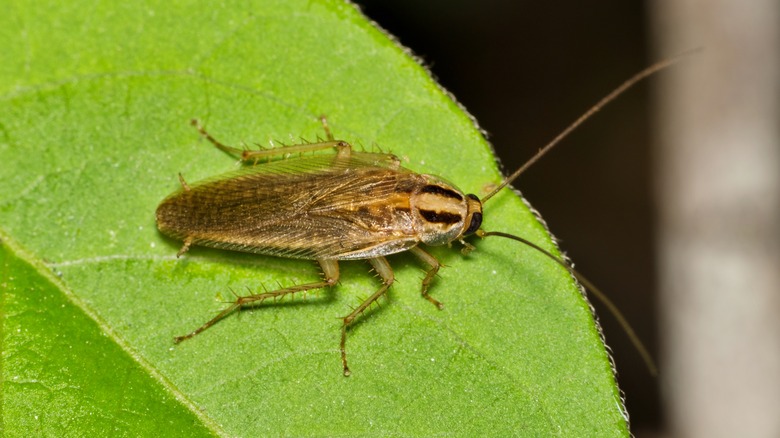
525	70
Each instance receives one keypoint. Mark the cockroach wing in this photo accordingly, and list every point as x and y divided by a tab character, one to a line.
311	207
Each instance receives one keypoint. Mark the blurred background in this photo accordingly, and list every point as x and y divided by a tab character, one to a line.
669	199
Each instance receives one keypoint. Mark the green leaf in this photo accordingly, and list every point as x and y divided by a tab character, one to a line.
96	100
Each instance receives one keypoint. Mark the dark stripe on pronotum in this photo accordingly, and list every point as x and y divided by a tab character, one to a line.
442	191
440	217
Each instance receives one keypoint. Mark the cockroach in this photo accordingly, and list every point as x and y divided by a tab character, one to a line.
348	205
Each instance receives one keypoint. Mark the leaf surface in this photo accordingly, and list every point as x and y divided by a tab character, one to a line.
95	103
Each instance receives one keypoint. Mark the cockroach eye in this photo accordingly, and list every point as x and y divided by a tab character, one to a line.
476	222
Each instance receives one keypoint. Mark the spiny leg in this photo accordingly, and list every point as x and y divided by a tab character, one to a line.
184	185
344	149
430	274
330	269
384	270
324	121
382	158
185	246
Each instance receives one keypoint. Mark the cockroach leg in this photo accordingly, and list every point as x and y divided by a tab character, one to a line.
324	121
329	267
344	149
382	267
183	183
430	274
214	141
185	247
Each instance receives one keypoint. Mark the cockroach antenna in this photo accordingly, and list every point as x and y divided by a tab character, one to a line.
589	286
